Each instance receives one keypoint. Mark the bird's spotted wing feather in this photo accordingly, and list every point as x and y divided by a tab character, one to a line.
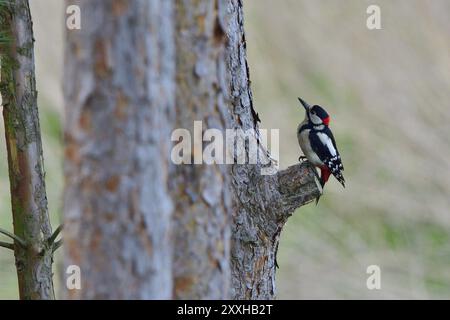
324	145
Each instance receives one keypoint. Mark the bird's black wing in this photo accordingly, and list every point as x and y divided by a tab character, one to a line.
330	133
324	145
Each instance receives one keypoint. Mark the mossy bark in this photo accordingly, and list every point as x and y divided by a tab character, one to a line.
32	248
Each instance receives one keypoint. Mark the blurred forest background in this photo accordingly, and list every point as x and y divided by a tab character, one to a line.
388	93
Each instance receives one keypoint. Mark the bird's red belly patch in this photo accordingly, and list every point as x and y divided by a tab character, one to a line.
324	173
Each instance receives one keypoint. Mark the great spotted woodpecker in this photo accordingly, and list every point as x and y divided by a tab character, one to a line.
318	145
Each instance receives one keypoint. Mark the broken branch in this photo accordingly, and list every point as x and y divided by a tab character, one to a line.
55	234
14	237
7	245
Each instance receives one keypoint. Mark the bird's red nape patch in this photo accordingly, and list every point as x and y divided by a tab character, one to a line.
326	121
324	174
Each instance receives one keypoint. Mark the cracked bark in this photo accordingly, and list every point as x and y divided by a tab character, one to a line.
119	96
32	230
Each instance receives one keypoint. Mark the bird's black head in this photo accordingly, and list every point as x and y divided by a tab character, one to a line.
316	114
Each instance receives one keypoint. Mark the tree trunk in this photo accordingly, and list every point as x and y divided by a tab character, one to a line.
262	203
33	240
122	71
201	192
119	92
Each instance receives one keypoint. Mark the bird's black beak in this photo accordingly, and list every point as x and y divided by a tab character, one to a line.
304	104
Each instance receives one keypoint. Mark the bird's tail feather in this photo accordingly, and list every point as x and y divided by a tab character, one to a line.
340	178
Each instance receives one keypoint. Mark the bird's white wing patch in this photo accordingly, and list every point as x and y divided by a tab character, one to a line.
327	142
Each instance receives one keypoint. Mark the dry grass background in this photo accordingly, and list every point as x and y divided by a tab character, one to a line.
388	93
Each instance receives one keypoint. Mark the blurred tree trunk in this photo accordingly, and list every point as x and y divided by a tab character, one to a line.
119	93
33	241
262	203
201	192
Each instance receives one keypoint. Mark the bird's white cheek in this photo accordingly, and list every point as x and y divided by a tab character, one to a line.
315	119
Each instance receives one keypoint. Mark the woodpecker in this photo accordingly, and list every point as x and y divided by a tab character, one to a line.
318	145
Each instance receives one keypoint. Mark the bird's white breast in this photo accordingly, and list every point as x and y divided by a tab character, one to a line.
305	145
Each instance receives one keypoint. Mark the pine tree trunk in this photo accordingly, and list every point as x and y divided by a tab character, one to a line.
119	93
33	241
201	192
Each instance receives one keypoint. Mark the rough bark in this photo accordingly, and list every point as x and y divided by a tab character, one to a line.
33	241
262	204
119	93
201	192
